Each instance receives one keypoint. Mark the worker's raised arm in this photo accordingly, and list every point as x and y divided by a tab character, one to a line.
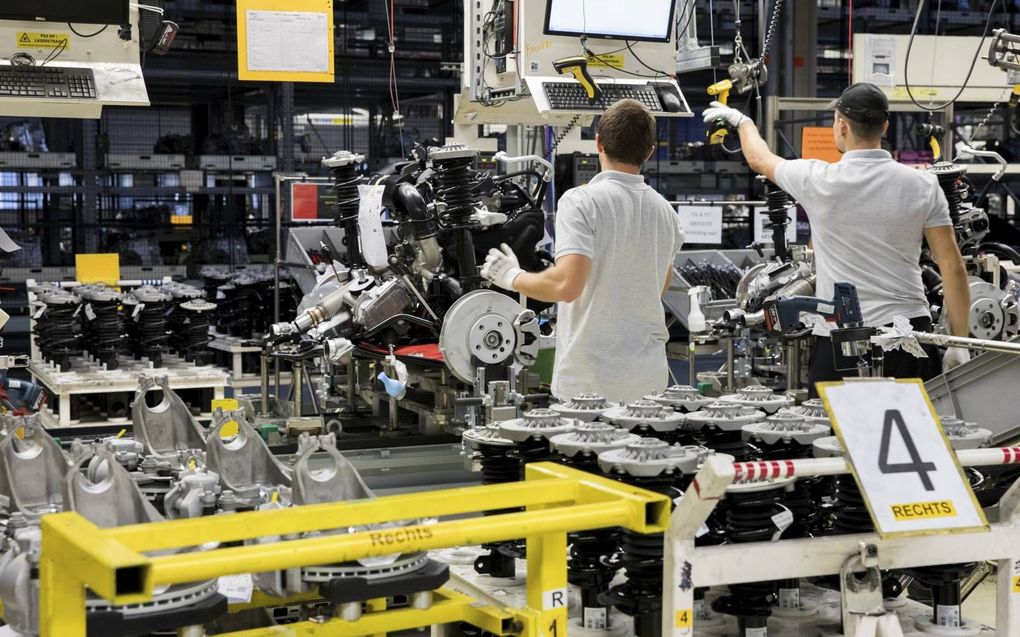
757	153
955	289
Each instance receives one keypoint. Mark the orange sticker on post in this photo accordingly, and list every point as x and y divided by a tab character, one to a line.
817	142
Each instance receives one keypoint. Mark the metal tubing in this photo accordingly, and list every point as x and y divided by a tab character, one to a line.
264	377
298	387
731	360
189	567
238	527
944	340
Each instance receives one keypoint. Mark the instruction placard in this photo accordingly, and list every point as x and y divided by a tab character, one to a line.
764	235
909	475
34	40
703	224
817	142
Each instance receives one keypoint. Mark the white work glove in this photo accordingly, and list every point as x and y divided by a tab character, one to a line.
954	357
731	116
502	267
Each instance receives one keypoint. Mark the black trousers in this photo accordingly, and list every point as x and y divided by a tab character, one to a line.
898	364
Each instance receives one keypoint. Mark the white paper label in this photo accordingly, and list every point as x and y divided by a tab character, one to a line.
39	312
881	61
782	521
764	235
948	616
596	618
702	530
138	310
756	632
373	242
703	224
237	588
288	41
90	314
556	598
789	598
826	308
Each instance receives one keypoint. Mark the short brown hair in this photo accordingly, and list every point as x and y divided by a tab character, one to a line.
628	132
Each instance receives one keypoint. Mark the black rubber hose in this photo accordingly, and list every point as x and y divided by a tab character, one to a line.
410	209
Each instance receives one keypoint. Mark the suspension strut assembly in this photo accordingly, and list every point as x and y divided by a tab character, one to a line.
588	567
779	204
343	165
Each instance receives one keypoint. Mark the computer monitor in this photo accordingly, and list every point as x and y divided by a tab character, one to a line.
73	11
637	20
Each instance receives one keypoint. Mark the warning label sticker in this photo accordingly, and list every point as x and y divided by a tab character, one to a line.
29	40
605	60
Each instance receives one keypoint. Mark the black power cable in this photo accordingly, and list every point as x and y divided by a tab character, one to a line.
910	44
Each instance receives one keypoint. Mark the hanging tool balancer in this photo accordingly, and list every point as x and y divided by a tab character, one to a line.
744	76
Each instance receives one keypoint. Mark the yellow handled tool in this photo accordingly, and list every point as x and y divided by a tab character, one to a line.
721	92
578	67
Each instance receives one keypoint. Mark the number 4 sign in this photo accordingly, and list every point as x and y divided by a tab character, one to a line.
908	473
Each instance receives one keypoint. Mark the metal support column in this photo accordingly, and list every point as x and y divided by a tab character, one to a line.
86	240
286	150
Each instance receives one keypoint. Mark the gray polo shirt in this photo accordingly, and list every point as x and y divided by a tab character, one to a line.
612	339
868	214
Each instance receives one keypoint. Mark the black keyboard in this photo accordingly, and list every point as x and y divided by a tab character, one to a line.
571	96
52	82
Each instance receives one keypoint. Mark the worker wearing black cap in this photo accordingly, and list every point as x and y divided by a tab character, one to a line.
869	216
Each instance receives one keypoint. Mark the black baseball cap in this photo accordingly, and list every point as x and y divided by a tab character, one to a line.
862	102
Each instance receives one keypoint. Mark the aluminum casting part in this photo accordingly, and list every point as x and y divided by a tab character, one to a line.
113	501
342	158
528	338
727	416
812	410
487	435
645	412
169	428
451	151
649	457
583	407
592	437
126	451
759	397
827	447
244	462
965	435
684	396
537	423
335	480
478	329
195	492
786	426
149	294
32	469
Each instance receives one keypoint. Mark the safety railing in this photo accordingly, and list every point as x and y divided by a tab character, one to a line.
688	567
118	563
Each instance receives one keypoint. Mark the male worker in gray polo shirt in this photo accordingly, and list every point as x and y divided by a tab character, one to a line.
615	243
869	215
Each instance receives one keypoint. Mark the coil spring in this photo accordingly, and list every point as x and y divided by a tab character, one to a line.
748	518
151	334
641	558
243	310
104	333
195	337
953	190
851	512
770	31
729	442
533	449
499	466
58	334
345	186
454	184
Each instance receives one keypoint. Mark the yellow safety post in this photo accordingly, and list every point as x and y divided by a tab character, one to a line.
557	500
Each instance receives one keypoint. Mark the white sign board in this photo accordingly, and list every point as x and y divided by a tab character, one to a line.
295	41
703	224
907	471
764	235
